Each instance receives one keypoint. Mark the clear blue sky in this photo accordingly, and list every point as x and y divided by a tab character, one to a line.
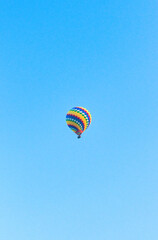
101	55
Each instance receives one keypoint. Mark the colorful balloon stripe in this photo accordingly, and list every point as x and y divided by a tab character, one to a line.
78	119
75	119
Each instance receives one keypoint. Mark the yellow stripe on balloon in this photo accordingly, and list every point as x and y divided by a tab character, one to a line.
87	112
80	116
74	124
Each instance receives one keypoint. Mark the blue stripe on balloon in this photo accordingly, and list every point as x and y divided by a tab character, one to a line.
77	108
72	127
76	119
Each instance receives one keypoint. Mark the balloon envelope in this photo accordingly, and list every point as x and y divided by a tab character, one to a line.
78	119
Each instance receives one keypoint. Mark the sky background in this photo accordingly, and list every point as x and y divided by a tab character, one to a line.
102	55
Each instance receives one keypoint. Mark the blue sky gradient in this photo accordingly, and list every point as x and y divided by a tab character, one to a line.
101	55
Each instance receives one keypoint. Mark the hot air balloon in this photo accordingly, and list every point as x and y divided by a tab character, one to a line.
78	120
